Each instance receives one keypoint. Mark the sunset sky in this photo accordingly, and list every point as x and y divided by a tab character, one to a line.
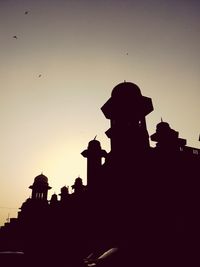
81	50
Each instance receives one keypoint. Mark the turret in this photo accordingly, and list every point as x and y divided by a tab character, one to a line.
40	188
64	195
167	138
54	200
94	155
78	186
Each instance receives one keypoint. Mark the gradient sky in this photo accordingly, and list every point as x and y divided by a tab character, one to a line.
80	49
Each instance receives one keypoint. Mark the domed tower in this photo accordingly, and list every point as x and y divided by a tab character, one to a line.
78	186
126	110
167	138
94	154
64	194
54	200
40	187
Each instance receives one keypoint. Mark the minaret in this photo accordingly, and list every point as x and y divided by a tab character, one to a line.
126	110
94	155
40	188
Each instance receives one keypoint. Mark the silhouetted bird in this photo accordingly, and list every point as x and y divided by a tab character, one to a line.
15	37
26	12
40	75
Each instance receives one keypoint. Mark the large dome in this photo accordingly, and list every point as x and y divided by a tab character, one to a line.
126	89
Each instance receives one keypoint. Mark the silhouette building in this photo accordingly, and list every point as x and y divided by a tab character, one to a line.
141	199
40	188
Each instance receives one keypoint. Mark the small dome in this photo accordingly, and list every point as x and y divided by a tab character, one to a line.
54	197
78	181
94	144
126	89
64	189
162	126
41	179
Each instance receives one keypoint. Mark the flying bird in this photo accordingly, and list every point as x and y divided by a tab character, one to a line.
15	37
40	75
26	12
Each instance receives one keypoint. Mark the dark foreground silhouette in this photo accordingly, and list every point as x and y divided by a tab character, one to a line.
140	206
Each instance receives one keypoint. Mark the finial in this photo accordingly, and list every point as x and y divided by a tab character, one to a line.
161	119
8	218
199	138
124	81
95	137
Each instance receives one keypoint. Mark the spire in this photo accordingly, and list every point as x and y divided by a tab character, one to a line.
8	218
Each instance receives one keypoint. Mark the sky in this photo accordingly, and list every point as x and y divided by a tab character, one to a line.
60	70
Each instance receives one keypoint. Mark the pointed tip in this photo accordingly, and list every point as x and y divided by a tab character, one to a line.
161	119
95	137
